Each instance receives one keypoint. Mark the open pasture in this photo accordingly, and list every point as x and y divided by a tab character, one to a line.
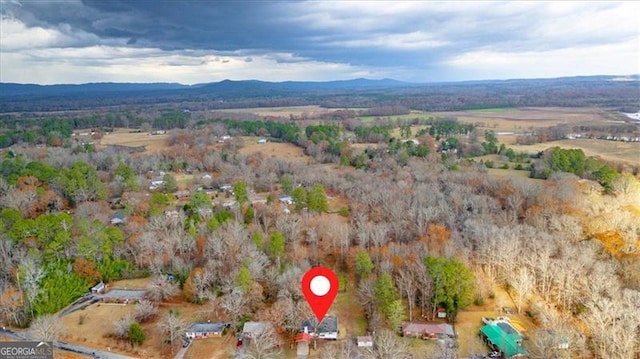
281	150
123	137
628	152
285	111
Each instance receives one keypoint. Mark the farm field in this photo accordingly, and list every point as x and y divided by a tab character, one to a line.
609	150
521	119
281	150
122	137
285	111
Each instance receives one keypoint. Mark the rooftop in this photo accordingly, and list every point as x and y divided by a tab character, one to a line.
507	343
207	327
328	325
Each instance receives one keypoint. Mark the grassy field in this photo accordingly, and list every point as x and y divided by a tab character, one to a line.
123	137
211	348
281	150
609	150
285	111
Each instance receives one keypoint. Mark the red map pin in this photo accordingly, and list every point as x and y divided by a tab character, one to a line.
320	287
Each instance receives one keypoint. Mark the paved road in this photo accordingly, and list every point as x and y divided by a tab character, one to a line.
89	352
180	354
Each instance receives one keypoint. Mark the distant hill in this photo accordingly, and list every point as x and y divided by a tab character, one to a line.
13	89
620	92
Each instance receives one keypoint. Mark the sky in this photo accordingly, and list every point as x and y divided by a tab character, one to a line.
189	42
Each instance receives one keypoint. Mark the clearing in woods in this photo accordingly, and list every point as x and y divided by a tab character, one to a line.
281	150
124	137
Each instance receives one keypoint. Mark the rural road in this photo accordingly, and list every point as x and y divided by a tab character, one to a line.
89	352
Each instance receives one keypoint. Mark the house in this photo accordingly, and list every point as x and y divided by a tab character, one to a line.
427	330
364	341
500	338
327	329
98	288
262	141
286	200
205	330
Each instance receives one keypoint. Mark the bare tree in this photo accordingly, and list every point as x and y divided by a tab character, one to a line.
29	276
172	328
11	305
263	345
121	326
145	310
47	328
522	283
161	289
407	284
234	305
388	345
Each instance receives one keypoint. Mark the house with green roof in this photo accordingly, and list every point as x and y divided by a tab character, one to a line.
508	342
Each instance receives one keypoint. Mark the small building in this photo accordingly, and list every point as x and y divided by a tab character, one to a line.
98	288
509	343
205	330
262	141
364	341
286	200
327	329
427	330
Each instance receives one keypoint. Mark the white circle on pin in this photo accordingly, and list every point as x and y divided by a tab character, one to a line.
320	285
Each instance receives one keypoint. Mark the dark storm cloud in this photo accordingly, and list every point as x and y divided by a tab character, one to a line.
414	36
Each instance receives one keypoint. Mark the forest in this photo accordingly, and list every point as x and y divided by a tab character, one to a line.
409	213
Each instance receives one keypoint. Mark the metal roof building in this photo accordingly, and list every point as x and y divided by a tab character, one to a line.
507	343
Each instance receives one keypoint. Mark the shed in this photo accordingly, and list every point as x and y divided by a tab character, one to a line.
205	330
98	288
507	343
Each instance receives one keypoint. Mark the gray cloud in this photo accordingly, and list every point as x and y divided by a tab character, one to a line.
415	38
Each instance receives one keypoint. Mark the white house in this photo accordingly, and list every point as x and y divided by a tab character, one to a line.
327	329
205	330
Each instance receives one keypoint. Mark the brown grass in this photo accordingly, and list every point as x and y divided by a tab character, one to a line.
122	137
98	322
520	119
286	151
211	348
280	111
609	150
